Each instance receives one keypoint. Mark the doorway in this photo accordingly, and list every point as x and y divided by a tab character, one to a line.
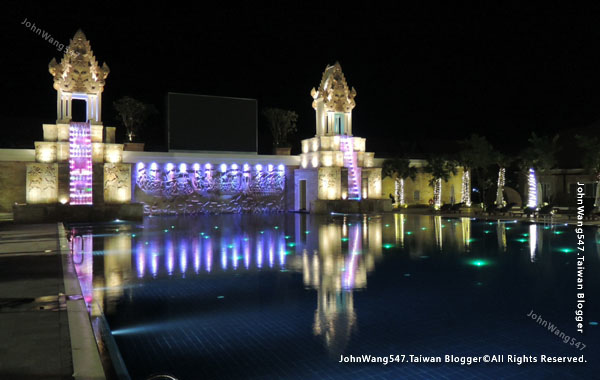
79	110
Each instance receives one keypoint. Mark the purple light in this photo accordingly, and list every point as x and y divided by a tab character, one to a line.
196	253
80	163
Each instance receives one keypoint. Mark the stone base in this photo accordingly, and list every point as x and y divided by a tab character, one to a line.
44	213
351	207
134	147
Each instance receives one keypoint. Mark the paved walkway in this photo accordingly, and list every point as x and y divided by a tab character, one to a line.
35	341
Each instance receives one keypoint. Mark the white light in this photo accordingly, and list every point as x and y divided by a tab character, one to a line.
234	167
223	168
208	166
182	167
154	166
315	161
169	167
281	167
270	167
140	165
258	167
246	167
532	200
196	166
466	188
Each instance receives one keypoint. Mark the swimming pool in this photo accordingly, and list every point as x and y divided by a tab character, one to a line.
288	295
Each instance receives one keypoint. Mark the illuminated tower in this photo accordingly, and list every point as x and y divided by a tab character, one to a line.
78	163
334	164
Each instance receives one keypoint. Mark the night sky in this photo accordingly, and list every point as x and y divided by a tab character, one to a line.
422	72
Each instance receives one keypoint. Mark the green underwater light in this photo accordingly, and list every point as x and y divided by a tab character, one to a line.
408	232
478	262
388	246
566	250
344	239
522	240
559	232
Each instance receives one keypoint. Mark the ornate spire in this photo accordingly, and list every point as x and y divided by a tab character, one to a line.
78	71
334	91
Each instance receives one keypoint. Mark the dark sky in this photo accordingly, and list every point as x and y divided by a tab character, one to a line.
421	71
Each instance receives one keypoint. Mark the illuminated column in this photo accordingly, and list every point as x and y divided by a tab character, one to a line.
532	198
437	193
466	188
500	191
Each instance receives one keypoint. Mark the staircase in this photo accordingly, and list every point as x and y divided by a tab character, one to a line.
353	171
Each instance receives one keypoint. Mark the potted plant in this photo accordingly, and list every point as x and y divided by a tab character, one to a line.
133	114
282	123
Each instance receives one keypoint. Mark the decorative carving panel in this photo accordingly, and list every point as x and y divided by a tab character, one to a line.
42	183
195	189
117	183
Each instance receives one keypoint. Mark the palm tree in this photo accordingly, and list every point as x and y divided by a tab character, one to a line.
503	161
591	160
399	169
440	169
477	156
539	157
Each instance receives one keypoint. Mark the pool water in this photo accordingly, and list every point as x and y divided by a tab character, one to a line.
285	295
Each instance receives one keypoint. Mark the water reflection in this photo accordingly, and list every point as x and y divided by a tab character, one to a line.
333	254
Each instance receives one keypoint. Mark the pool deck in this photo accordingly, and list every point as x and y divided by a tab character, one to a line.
45	331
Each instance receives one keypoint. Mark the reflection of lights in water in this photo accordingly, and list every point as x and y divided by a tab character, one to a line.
281	252
196	253
223	255
234	255
532	241
271	253
170	257
246	248
259	252
209	254
183	257
141	259
501	231
154	264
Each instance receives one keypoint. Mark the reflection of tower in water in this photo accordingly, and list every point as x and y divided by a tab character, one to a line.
346	253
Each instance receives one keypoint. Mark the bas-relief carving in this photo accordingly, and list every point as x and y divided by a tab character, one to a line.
209	191
42	183
117	183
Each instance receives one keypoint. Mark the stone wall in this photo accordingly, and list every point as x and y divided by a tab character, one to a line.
12	184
